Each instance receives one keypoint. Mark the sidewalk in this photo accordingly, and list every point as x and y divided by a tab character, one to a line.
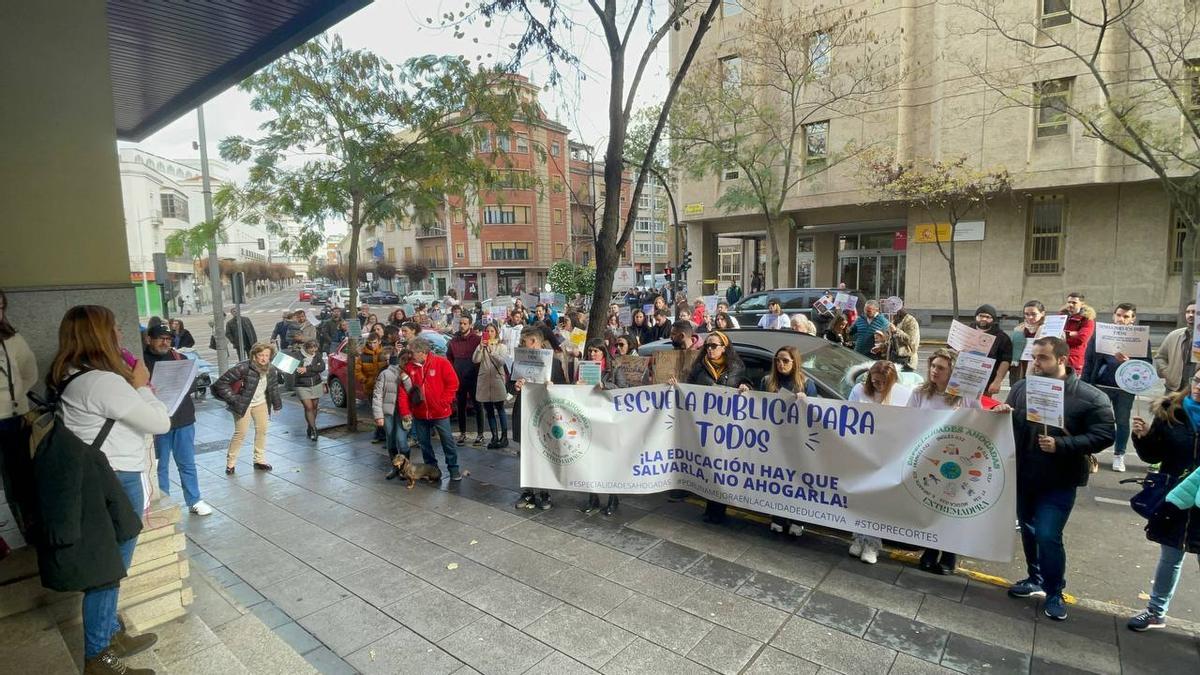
361	574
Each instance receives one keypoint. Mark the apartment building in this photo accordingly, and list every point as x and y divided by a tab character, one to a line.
1081	216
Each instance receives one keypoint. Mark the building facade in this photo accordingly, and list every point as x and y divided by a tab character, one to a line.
1078	207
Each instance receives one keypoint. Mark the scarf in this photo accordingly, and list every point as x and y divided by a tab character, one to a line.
1192	408
716	367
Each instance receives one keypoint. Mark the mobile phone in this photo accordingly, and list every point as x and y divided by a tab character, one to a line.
130	359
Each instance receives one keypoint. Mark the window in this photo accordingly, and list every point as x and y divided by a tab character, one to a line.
408	254
390	226
458	216
648	225
731	170
1047	225
485	142
459	252
391	255
1055	13
174	205
819	46
509	250
511	179
1177	252
558	216
522	144
650	248
643	202
1193	76
729	263
1053	97
556	184
731	72
503	142
560	251
506	215
555	148
816	142
731	7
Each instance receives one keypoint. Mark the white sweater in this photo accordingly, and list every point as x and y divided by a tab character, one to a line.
99	395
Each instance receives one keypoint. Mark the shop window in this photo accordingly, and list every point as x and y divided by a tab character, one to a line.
1047	228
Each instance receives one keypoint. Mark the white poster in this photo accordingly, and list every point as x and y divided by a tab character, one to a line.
1136	377
1044	400
624	279
172	381
532	364
971	375
891	305
1129	340
710	305
625	315
963	338
845	301
284	363
942	479
1054	325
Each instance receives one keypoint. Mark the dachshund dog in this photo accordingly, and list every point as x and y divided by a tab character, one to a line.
415	472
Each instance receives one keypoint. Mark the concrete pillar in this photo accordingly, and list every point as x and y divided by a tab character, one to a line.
63	232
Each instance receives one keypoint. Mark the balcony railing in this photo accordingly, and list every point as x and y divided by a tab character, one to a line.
431	231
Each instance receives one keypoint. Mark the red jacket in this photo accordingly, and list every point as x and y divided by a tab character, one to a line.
437	382
1084	324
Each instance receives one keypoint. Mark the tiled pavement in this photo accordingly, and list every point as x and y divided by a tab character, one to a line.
360	574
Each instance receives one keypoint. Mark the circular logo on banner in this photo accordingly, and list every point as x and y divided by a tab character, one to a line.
954	471
1136	377
563	431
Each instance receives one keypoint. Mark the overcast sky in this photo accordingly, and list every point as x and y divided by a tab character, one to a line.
397	30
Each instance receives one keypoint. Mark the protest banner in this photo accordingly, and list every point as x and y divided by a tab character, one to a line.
624	278
1054	325
710	304
1129	340
845	301
625	315
649	310
963	338
971	375
589	372
1044	400
674	363
636	369
941	479
578	337
530	301
532	364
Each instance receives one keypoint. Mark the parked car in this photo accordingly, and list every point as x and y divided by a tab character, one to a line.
319	296
381	298
418	297
306	294
751	308
337	380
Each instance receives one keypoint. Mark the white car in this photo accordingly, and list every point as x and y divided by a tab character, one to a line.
417	297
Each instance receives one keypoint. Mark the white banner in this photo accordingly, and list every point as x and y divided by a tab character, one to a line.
941	479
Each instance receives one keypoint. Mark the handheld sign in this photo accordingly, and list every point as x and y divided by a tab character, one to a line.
1044	400
578	336
636	369
625	316
284	363
1129	340
1054	325
1136	377
532	364
963	338
589	372
845	301
891	305
971	375
648	309
674	363
710	304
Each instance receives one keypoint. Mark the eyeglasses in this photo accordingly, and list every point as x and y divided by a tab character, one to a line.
713	345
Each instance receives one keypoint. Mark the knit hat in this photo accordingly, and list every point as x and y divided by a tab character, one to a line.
987	309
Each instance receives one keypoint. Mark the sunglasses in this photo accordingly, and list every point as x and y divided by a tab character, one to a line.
713	345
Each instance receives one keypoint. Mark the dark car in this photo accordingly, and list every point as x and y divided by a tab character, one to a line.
751	308
382	298
835	369
319	296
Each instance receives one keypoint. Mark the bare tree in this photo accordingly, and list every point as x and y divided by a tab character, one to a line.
1138	94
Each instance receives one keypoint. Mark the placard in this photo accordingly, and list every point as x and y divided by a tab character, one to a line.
845	301
353	327
649	310
1044	400
1054	325
891	305
971	375
1136	377
532	364
710	305
963	338
284	363
624	278
1128	340
676	363
172	381
634	368
578	337
625	315
590	372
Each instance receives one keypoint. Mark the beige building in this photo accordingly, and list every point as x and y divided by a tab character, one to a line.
1081	217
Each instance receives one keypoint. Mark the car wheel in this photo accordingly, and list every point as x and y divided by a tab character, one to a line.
337	393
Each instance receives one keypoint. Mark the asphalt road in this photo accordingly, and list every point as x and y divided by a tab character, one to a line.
1108	557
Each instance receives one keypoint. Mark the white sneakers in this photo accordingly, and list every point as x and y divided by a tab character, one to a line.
870	554
201	508
1119	463
864	549
856	547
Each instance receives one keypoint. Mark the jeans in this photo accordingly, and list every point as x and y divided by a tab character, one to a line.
424	430
1122	403
494	410
1166	577
100	606
1042	517
461	398
181	443
395	438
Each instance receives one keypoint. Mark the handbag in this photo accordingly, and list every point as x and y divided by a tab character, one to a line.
1150	498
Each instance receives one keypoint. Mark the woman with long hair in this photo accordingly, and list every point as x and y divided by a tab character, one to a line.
626	345
397	317
932	396
250	390
722	322
181	338
1170	440
18	375
107	402
491	385
309	383
718	366
787	374
839	327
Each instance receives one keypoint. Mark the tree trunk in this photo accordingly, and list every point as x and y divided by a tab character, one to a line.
351	314
773	279
953	276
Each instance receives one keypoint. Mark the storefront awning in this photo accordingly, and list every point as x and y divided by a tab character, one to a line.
167	58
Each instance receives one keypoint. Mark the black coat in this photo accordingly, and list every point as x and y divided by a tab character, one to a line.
1090	428
83	514
239	403
734	375
311	376
249	337
1176	445
185	414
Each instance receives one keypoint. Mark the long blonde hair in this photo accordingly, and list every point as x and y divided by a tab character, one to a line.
798	379
928	389
87	338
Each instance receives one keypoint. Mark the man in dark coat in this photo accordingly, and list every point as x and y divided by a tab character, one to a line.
1002	349
249	337
180	441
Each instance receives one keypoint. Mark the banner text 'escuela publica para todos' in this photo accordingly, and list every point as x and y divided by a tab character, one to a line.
942	479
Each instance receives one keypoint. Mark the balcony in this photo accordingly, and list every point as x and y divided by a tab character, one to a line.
431	231
434	263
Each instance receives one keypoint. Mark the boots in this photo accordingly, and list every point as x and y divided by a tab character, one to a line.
108	663
124	645
611	507
593	504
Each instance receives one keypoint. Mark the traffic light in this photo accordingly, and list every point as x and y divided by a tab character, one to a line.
687	262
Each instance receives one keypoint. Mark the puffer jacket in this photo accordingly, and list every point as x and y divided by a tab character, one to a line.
313	367
367	366
1174	444
239	403
1083	324
734	375
491	385
1090	428
438	383
391	393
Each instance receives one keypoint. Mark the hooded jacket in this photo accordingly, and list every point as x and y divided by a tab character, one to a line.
391	393
437	382
1083	325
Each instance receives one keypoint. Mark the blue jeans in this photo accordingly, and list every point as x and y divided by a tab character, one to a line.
182	444
1122	404
424	430
395	438
100	606
1166	578
1043	516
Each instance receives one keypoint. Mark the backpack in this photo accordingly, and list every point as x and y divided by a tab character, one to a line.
46	415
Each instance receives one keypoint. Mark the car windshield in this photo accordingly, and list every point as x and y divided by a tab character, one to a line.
836	367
